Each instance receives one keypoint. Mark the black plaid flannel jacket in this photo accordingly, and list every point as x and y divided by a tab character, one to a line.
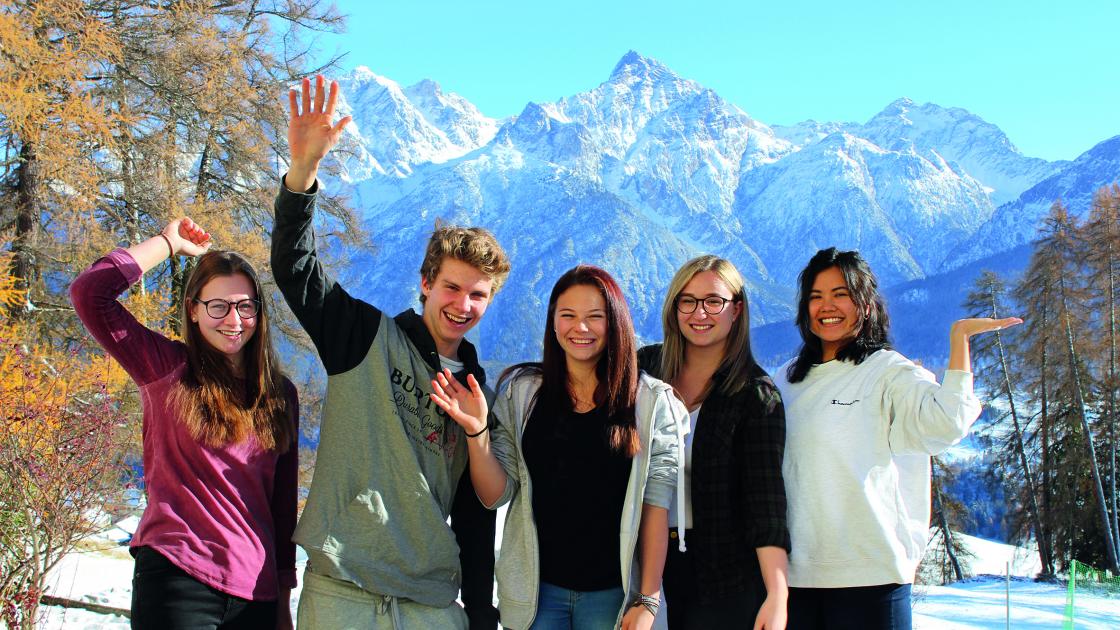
738	495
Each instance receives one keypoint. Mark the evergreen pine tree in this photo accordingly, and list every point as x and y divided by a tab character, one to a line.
993	371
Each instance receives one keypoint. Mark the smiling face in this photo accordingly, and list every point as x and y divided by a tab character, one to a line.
230	334
454	302
580	325
700	328
833	317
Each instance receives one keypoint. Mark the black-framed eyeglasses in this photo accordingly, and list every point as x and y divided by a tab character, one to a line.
219	308
713	304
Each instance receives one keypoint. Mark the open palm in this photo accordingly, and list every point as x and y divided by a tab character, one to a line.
976	325
310	132
466	405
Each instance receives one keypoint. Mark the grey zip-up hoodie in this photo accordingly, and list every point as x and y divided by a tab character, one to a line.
653	479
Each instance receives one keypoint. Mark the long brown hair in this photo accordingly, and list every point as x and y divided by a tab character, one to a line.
617	369
738	361
210	399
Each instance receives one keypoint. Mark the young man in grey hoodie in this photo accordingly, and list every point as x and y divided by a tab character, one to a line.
389	463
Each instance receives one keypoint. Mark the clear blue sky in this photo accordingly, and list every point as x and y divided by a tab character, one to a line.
1046	72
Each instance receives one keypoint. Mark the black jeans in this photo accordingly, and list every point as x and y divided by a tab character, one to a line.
474	528
690	609
164	597
882	607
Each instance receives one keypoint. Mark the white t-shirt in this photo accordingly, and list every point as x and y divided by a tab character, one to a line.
450	364
687	478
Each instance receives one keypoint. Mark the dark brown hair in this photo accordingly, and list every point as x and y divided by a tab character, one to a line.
216	405
617	369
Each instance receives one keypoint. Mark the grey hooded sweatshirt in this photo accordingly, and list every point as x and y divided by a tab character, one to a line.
389	460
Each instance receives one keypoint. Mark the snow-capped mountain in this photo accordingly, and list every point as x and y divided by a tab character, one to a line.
939	134
903	210
649	169
1016	222
397	129
957	136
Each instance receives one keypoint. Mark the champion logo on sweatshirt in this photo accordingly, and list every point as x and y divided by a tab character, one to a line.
845	404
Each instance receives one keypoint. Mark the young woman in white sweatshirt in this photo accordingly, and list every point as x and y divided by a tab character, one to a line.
861	423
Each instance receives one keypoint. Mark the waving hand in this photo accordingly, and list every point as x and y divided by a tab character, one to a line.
467	407
310	132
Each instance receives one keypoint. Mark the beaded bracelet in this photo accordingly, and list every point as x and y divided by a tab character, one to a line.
652	604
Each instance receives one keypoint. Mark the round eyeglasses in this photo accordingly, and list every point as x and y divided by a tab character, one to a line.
712	305
219	308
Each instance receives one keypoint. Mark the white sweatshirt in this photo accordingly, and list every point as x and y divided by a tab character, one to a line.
858	441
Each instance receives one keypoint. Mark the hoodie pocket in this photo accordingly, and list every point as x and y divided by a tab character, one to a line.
358	529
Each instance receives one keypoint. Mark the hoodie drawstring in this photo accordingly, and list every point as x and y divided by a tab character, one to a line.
389	604
684	427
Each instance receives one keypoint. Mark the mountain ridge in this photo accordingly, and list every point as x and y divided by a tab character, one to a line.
648	168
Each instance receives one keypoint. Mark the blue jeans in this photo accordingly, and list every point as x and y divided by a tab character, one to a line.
882	607
559	608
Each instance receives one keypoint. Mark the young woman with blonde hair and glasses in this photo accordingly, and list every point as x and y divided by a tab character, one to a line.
732	573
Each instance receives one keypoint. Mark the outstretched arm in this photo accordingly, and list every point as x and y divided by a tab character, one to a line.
469	410
341	326
963	329
310	132
927	417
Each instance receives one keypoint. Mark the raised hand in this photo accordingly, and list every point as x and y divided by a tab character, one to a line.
975	325
467	407
187	237
960	357
310	132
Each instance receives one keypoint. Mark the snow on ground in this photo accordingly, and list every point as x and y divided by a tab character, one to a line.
102	573
982	603
992	557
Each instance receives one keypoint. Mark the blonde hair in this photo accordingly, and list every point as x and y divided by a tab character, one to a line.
473	245
738	361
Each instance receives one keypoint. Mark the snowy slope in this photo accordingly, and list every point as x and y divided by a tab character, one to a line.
958	136
901	209
396	129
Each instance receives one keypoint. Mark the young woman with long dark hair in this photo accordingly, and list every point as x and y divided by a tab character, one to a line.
861	423
213	548
585	450
733	572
